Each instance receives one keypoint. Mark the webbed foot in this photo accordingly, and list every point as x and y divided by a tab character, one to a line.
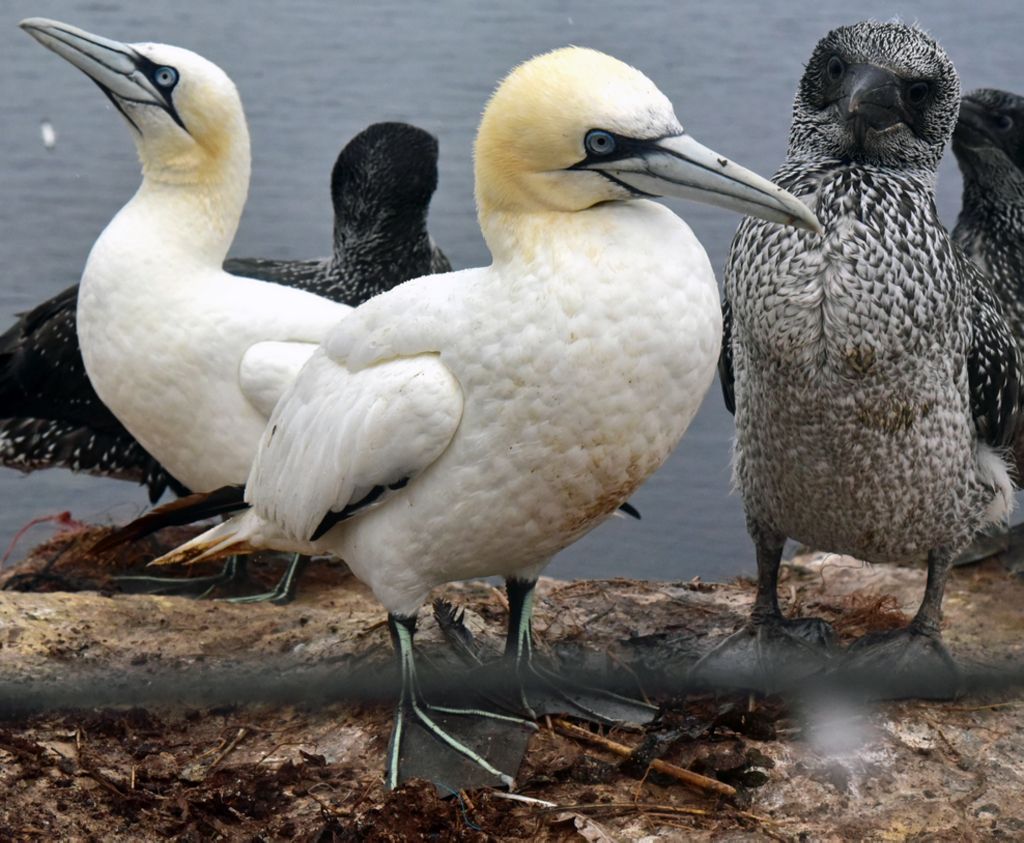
901	663
234	572
768	654
455	748
542	691
284	592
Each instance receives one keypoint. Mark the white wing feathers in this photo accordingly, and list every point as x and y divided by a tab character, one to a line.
268	369
338	435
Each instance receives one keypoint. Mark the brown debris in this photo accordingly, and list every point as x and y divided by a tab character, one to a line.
308	767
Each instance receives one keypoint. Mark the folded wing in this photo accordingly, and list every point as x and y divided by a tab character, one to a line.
340	442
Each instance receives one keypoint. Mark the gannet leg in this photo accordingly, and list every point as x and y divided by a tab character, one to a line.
770	650
912	661
423	743
235	571
282	593
539	690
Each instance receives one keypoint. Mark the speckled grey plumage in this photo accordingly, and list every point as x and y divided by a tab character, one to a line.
872	377
989	147
50	416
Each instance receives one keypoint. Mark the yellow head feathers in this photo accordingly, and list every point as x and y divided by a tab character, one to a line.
208	104
534	125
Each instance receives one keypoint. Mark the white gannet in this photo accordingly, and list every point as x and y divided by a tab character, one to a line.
476	423
50	416
189	358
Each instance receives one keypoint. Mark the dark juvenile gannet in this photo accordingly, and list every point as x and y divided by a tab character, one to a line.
52	417
874	383
476	423
989	147
381	188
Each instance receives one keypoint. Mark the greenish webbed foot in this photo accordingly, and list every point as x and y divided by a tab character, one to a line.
284	592
454	747
234	572
768	654
541	691
911	662
519	683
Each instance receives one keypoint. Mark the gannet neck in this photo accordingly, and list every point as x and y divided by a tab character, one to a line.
375	229
519	238
192	204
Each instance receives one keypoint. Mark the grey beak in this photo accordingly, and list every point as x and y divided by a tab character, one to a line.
116	67
680	166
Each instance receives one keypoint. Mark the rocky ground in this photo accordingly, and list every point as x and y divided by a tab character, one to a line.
130	717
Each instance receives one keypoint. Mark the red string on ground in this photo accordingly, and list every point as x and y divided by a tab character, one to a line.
61	519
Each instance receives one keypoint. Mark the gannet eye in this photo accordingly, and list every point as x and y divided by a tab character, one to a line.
835	68
599	142
1004	122
165	77
918	91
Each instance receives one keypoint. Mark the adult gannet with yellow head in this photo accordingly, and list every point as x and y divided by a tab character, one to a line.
476	423
189	358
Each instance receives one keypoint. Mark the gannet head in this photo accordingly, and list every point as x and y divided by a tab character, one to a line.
989	141
880	93
574	127
185	111
385	175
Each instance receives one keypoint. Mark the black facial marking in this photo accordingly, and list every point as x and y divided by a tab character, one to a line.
151	69
624	147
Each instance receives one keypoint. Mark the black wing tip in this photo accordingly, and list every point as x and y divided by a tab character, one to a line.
186	510
627	508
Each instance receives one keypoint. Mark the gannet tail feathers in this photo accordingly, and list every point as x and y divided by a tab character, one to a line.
246	532
227	539
186	510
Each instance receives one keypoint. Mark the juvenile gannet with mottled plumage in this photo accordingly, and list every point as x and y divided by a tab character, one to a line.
476	423
989	147
875	384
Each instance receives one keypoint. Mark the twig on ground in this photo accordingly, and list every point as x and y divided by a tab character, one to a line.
687	777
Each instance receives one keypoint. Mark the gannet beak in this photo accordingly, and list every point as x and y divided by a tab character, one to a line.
120	71
678	165
872	99
971	130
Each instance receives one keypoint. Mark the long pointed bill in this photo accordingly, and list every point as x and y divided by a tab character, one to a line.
680	166
116	67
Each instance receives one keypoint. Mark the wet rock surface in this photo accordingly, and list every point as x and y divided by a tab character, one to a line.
136	717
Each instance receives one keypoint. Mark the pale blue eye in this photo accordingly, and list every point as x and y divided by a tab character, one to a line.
599	142
165	77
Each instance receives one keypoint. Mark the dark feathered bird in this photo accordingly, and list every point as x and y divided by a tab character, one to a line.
381	187
989	147
874	382
50	416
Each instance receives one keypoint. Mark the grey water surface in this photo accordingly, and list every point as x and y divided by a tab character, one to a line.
312	74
